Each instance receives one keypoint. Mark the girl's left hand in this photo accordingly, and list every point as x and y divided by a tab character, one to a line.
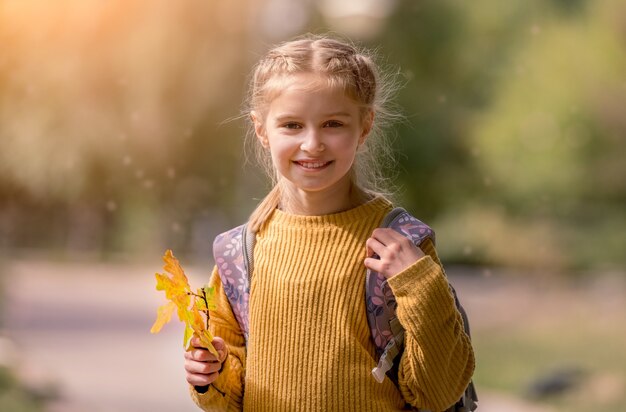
395	251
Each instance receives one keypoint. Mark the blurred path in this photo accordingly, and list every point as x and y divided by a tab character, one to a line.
86	327
494	402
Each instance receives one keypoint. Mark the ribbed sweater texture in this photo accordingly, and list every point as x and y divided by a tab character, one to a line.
310	347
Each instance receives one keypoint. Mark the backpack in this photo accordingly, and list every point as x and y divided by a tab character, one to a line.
233	251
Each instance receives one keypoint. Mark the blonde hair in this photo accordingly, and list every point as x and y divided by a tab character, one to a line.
343	66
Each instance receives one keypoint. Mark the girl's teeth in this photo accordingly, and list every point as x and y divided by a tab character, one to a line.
312	165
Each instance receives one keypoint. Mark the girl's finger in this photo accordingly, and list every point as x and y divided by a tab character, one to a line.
396	244
218	343
373	264
220	346
196	342
200	355
204	368
200	379
374	246
387	236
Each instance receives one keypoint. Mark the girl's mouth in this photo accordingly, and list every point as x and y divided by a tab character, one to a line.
312	165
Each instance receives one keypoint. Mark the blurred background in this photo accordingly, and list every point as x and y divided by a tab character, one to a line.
121	136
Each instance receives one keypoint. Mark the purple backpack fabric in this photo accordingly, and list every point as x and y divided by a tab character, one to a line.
232	251
229	252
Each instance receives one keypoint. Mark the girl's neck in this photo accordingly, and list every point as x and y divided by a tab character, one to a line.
300	202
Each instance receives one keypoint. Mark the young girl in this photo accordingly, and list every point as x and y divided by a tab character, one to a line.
314	103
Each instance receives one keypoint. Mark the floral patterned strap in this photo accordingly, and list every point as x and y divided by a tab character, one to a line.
231	265
380	301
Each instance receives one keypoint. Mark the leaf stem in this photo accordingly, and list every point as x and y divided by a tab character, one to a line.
206	305
196	295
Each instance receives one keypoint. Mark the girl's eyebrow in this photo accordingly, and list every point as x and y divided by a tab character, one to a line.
288	116
284	117
338	114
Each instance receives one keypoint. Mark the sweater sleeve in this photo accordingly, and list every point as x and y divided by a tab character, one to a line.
438	360
223	323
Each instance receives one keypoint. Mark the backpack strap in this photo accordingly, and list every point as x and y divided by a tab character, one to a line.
232	251
381	304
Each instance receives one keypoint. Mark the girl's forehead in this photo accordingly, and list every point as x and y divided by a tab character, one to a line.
306	92
308	81
304	82
302	98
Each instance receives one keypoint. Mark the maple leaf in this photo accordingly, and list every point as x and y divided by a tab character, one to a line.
192	308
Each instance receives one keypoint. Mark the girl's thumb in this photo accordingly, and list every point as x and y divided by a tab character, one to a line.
220	346
218	343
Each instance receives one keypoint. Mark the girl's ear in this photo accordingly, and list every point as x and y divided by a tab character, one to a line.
368	123
259	129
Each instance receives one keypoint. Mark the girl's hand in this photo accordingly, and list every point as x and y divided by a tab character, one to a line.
202	366
395	252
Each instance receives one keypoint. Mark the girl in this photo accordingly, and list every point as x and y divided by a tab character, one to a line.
314	103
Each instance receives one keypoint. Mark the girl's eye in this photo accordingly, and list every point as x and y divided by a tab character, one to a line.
333	123
292	126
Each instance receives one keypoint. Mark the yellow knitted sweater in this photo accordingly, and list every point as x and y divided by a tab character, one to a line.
310	347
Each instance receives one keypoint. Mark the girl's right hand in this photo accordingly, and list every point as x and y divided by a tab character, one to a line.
202	366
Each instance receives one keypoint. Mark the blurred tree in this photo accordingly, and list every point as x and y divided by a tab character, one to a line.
497	97
453	56
116	133
551	143
110	114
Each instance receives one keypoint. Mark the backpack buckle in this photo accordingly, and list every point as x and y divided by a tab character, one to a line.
385	363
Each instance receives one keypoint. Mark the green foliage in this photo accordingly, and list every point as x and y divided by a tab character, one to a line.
549	145
13	397
513	122
547	134
513	137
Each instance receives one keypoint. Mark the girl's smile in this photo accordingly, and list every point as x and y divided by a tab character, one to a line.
312	165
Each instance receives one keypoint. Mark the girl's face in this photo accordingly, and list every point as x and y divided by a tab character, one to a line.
313	134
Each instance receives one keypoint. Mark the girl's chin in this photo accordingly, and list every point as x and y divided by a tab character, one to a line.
316	187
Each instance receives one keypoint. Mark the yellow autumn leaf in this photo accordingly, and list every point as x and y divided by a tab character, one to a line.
164	315
176	286
192	308
209	292
195	327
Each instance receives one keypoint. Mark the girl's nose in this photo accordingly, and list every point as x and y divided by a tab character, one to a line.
312	143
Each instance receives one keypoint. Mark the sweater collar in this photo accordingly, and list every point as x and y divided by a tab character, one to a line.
364	211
